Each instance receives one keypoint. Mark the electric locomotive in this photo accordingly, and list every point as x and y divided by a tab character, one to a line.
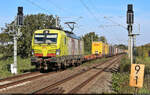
54	48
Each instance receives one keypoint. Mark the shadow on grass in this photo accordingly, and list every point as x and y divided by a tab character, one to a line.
28	70
5	57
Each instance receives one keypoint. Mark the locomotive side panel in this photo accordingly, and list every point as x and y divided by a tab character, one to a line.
76	47
82	47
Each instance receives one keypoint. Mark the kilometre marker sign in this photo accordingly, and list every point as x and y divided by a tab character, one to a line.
136	75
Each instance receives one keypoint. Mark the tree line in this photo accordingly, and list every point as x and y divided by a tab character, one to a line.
34	22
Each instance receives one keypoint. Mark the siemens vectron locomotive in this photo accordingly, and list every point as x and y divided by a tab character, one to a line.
53	48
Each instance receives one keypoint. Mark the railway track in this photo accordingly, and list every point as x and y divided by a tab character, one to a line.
77	88
53	88
29	77
13	81
18	76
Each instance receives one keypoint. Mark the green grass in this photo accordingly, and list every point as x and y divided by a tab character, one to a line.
23	66
1	55
120	80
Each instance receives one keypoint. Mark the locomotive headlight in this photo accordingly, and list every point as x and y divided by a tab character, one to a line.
32	52
58	52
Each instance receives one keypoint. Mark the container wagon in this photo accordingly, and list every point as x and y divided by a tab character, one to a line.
98	48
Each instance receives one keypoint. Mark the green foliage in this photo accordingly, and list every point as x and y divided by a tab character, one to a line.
103	39
143	51
122	46
3	39
23	66
88	41
120	80
144	91
31	23
125	65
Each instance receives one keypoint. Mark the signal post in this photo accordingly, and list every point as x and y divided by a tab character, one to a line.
137	70
16	34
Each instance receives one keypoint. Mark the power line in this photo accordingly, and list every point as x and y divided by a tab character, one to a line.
102	26
88	9
38	6
115	22
58	7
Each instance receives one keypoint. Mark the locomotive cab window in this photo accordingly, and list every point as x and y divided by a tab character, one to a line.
39	38
45	38
51	38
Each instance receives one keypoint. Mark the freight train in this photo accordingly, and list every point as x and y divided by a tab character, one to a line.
56	49
100	48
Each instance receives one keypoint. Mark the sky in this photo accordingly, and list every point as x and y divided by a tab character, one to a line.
104	17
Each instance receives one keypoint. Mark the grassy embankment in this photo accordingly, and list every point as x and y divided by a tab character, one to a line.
121	79
23	66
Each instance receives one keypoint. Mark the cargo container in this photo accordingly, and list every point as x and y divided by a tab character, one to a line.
98	48
106	47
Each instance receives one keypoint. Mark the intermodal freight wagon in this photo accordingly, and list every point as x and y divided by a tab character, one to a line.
100	48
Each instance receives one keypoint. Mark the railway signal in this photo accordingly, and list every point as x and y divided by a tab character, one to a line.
137	70
20	16
130	21
130	15
16	34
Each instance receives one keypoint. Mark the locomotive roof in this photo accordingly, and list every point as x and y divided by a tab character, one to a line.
68	33
73	36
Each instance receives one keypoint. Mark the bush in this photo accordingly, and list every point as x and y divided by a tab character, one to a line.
120	80
23	66
125	65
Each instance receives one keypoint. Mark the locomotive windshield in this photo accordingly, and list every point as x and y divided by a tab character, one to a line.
51	38
45	38
39	38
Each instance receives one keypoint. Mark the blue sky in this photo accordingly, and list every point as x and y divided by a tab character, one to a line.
92	20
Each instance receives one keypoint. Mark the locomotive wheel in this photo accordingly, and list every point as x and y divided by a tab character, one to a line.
76	63
37	67
42	70
63	65
58	66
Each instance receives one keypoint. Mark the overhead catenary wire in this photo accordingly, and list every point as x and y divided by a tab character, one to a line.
58	7
38	6
103	26
115	22
88	9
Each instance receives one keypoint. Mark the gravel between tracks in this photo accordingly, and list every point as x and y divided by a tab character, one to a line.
45	81
102	83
